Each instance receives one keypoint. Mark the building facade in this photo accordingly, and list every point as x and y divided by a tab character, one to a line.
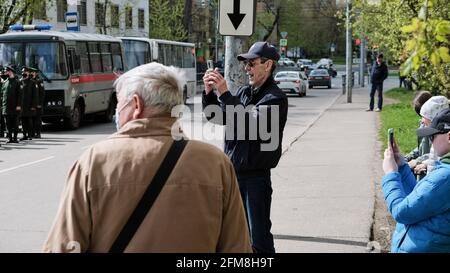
112	17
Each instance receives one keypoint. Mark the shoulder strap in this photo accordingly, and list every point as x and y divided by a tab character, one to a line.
149	197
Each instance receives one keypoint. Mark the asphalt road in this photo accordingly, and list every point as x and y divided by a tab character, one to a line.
32	174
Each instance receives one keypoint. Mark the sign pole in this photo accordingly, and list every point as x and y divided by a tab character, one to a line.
234	70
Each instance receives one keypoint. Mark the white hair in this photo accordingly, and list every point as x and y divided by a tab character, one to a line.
159	86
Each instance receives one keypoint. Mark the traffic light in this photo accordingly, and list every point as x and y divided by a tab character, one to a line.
357	42
283	50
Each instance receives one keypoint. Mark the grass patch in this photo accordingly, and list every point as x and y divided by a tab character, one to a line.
402	117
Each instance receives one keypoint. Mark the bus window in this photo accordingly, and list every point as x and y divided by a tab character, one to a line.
161	54
106	57
71	60
48	57
83	56
117	57
11	53
94	56
179	56
188	58
136	53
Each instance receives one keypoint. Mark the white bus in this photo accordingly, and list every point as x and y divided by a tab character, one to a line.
78	70
139	51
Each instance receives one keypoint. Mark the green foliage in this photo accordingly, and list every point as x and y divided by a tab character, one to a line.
402	117
19	11
166	20
412	33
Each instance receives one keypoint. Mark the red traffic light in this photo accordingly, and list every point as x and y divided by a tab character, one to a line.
357	41
283	49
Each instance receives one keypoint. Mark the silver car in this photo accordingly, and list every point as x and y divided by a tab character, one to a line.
292	82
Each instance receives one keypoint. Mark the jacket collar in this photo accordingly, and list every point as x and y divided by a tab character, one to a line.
154	126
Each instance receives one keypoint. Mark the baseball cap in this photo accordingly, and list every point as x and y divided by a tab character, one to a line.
440	124
433	106
260	49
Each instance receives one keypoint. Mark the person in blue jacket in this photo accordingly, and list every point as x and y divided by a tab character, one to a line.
421	209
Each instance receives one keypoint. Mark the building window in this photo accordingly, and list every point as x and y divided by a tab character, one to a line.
61	9
115	16
40	13
99	14
129	17
141	16
82	13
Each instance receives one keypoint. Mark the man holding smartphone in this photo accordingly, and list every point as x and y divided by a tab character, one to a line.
251	162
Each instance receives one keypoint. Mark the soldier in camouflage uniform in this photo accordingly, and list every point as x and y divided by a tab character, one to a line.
11	100
29	103
37	118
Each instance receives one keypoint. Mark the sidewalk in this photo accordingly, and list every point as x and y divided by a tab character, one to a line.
325	184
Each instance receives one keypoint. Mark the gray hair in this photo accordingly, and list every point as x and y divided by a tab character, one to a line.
159	86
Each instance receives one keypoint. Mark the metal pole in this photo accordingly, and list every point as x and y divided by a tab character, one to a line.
362	58
217	30
234	71
348	78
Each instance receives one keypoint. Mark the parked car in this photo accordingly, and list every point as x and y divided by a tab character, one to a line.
331	70
305	63
319	77
286	62
325	61
292	82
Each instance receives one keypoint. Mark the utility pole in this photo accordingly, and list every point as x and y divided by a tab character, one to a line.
362	57
234	71
349	73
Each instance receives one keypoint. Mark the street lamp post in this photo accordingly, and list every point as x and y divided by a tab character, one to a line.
348	78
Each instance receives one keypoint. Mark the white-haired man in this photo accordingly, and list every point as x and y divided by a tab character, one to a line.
199	208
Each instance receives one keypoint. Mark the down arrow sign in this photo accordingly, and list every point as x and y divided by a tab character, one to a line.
236	17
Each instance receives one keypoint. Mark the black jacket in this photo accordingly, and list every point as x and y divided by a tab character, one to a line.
245	151
379	72
11	96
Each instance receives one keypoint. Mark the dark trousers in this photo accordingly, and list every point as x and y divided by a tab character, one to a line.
2	125
376	87
27	126
256	195
13	127
37	124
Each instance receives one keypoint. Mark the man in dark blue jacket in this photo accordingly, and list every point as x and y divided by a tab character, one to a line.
378	75
261	104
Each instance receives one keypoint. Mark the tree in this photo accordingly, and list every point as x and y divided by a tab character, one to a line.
414	33
166	20
15	11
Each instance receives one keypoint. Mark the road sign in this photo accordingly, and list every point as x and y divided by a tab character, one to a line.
237	17
72	23
284	34
283	42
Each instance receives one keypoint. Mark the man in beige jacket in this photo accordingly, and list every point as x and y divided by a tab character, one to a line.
199	208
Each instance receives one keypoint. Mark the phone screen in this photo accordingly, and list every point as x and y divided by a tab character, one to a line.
391	136
210	64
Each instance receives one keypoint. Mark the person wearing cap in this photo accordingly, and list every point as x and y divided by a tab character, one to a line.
421	209
40	93
11	103
428	112
378	75
29	103
251	162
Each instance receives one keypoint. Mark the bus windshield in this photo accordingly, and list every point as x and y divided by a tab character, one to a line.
136	53
48	57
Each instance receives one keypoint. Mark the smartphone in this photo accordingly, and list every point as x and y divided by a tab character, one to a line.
391	136
210	64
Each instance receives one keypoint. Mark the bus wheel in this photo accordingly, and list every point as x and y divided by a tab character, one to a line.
108	116
74	121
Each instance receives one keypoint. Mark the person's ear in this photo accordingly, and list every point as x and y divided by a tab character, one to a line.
268	65
138	105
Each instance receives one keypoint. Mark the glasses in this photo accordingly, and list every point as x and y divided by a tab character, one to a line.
251	63
433	136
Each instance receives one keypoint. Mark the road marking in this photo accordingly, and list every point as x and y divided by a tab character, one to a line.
26	164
